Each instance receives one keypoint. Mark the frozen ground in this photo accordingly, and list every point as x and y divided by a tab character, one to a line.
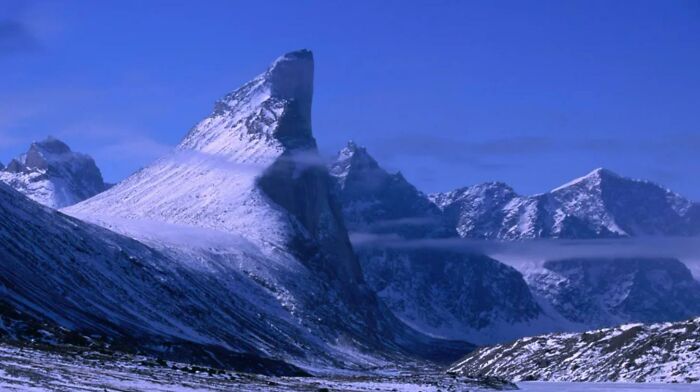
29	369
537	386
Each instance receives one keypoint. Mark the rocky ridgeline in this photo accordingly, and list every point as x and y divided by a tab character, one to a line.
668	352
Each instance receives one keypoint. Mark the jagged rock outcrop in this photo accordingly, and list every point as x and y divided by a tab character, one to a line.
53	175
601	292
668	352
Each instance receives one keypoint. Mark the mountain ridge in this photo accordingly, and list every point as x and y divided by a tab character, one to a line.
601	204
666	352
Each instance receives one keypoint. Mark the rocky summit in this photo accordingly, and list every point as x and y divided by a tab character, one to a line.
53	175
667	352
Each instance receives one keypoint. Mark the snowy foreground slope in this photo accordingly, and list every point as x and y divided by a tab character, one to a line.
53	175
668	352
440	292
601	204
245	201
69	369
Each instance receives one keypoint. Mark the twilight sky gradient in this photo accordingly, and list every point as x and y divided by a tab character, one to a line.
451	92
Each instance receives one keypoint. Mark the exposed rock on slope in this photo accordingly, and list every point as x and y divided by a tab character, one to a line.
598	205
244	199
605	292
668	352
53	175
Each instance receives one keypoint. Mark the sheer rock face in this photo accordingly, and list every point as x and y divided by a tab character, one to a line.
601	204
437	291
602	292
667	352
53	175
245	195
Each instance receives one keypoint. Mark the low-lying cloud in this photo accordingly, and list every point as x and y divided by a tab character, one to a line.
527	251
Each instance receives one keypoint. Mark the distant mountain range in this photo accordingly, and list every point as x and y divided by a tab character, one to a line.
601	204
444	291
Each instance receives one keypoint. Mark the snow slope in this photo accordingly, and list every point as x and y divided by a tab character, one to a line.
668	352
59	275
244	199
53	175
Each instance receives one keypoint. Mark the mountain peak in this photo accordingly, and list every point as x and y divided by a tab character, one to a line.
269	114
353	157
291	76
51	145
602	172
52	174
595	176
353	150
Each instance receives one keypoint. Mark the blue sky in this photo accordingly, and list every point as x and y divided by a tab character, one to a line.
452	93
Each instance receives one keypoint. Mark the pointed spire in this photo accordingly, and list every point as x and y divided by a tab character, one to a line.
291	76
602	172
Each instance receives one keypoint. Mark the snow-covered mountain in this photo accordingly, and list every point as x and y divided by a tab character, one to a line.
601	292
53	175
668	352
438	291
245	201
599	205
